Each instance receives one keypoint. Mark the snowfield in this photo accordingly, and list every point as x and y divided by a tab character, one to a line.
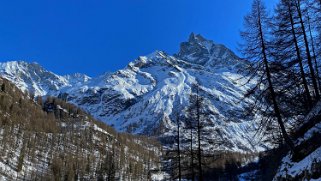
310	163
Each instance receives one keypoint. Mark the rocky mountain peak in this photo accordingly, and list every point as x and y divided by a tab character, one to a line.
196	38
199	50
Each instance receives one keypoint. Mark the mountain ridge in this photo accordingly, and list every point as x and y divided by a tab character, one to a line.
142	97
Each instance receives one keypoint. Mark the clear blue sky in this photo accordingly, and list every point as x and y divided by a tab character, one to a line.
95	36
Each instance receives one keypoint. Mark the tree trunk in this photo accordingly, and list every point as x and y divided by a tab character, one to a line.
314	54
199	137
306	43
304	81
178	150
192	155
271	89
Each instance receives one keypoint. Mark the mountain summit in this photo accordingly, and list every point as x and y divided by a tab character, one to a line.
199	50
144	97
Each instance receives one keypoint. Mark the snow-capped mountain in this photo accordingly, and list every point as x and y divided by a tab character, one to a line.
35	79
77	79
143	97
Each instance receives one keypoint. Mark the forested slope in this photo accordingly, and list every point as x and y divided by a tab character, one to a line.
53	140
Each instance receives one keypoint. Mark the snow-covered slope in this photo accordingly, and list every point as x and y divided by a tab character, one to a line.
34	78
57	141
306	163
143	97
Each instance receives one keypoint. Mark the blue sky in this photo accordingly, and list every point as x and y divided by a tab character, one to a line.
95	36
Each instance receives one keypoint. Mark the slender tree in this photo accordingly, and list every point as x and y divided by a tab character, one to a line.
195	116
286	45
178	148
199	131
256	49
297	4
313	45
190	126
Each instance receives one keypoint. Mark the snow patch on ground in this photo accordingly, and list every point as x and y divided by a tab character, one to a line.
296	168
